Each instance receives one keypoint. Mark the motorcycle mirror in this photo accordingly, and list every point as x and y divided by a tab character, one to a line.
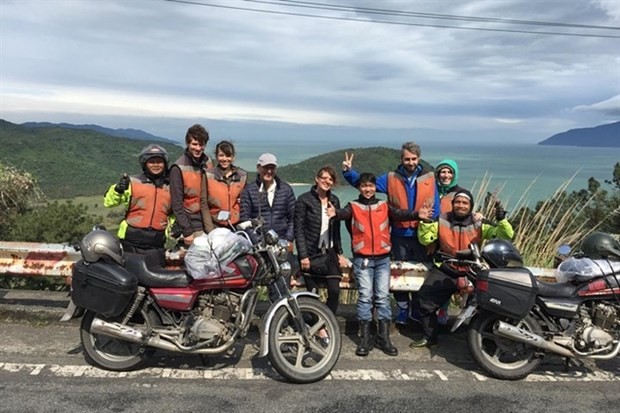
223	216
564	249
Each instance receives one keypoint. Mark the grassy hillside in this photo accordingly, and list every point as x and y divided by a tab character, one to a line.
377	160
69	162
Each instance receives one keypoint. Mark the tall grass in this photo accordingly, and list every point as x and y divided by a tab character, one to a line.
540	233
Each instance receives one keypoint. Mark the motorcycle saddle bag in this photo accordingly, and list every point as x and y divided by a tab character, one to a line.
507	291
103	287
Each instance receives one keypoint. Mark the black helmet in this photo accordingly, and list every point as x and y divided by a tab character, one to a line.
500	253
99	244
152	151
599	245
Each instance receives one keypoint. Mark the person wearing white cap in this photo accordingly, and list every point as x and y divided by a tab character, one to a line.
270	198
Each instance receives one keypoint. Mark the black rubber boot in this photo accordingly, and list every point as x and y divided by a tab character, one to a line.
383	339
365	345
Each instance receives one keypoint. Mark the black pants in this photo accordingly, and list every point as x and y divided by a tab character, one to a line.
333	289
436	290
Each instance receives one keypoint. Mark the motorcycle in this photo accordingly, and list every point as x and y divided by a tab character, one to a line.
133	306
515	320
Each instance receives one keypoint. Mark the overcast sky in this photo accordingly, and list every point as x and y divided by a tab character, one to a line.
156	64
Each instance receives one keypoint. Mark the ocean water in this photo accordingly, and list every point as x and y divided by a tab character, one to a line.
521	174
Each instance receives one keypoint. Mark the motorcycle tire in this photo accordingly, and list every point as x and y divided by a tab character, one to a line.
500	357
289	356
111	353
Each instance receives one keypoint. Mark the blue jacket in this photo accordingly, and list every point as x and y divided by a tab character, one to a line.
279	216
352	177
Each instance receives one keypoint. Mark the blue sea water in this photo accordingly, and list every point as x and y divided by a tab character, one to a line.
521	173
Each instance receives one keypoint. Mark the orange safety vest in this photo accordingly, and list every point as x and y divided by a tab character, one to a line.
370	229
149	206
397	194
225	196
191	183
453	238
446	203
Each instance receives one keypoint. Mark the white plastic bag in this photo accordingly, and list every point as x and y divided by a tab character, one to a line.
585	267
209	255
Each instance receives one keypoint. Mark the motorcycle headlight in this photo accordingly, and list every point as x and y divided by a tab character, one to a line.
271	237
285	269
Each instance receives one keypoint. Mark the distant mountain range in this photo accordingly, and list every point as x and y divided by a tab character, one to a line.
121	133
603	136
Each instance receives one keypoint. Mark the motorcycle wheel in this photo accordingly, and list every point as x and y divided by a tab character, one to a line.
112	353
500	357
289	356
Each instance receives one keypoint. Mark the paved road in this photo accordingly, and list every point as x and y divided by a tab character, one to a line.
42	369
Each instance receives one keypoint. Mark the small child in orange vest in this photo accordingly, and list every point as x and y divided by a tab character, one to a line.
368	221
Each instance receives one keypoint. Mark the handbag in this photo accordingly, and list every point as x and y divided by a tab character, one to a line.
319	264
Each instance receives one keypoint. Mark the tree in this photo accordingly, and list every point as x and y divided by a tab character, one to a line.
17	189
53	222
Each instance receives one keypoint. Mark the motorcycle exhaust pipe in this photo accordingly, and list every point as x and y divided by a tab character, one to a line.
123	332
518	334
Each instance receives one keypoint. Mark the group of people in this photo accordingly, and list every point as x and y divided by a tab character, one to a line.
425	212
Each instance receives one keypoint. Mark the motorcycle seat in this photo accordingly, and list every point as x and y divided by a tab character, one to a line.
556	290
150	273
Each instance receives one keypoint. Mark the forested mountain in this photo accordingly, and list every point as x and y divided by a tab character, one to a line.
71	162
603	136
121	133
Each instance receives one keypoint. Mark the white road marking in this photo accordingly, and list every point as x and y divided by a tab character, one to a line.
233	373
441	375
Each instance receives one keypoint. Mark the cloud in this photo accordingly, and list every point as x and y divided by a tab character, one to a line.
609	107
167	59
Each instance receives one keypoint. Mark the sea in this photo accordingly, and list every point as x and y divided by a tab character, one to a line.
520	174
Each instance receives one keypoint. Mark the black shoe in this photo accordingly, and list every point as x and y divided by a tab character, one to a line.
383	339
365	344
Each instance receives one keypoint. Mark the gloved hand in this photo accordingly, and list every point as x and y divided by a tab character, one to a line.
122	185
500	213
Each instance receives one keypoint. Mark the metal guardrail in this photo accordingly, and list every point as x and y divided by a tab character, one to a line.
32	259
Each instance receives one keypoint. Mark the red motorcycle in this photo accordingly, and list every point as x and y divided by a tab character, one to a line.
134	306
515	320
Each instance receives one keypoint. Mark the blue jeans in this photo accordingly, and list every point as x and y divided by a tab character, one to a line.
373	283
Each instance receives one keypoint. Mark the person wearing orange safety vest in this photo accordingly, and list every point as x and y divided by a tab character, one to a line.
147	198
368	220
221	188
454	231
408	187
186	175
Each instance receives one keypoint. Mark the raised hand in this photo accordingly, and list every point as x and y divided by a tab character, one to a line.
500	212
122	185
347	164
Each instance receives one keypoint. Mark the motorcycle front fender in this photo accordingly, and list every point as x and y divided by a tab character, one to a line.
268	318
464	316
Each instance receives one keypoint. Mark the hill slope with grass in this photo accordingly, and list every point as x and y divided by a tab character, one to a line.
71	162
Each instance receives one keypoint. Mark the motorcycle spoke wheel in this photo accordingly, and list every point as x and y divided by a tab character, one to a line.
501	357
111	353
289	354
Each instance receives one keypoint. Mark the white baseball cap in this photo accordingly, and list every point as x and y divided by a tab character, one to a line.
267	159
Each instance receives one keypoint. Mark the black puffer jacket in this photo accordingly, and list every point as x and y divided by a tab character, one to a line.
308	224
